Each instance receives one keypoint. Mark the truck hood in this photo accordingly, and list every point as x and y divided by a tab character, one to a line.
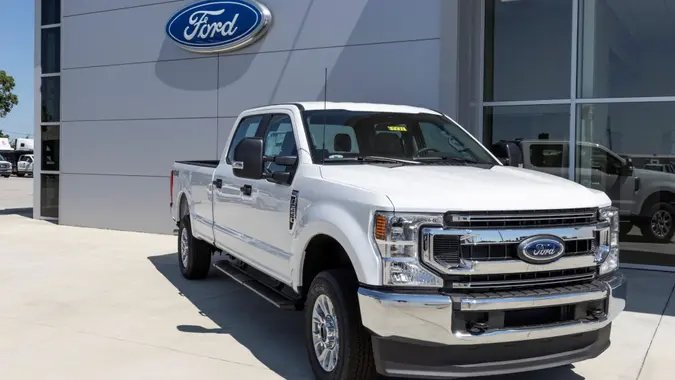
427	188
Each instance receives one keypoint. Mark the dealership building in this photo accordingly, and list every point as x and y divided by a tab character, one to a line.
118	99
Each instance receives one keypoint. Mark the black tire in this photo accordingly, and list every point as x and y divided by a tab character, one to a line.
659	223
20	174
355	352
6	176
198	260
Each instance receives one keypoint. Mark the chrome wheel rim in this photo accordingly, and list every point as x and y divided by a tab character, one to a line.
184	247
662	222
325	333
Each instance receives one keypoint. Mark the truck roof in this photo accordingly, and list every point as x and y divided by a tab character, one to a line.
366	107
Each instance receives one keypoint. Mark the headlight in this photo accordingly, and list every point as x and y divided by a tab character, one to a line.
396	236
607	253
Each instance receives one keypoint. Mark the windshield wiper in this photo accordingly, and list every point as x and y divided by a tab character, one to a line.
445	158
374	159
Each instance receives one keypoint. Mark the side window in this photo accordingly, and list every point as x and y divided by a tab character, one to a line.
605	162
548	156
279	141
247	128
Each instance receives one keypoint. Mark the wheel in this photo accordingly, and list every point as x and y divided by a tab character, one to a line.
194	255
658	224
6	176
20	174
338	345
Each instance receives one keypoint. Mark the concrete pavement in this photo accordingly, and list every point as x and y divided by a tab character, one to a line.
84	303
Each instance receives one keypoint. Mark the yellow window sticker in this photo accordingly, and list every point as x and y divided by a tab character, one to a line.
400	128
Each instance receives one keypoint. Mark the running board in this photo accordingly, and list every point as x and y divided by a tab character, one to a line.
270	295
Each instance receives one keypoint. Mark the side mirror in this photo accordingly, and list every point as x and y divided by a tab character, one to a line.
504	160
627	168
248	158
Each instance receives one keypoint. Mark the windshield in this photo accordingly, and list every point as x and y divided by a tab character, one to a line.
2	158
419	137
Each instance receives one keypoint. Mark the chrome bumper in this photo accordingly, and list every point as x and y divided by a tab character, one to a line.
428	317
427	320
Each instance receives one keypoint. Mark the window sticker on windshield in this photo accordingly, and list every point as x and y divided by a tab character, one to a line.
401	128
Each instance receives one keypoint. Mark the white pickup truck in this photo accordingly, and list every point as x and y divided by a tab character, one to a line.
411	249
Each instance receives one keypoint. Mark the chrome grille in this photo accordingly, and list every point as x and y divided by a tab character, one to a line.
447	248
524	280
484	256
4	166
520	219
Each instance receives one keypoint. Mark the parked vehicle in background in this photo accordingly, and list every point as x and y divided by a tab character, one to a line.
24	165
412	251
665	168
5	167
645	198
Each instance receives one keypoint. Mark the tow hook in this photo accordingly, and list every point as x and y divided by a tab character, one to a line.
477	328
597	313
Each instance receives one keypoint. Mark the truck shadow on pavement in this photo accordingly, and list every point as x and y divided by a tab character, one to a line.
273	336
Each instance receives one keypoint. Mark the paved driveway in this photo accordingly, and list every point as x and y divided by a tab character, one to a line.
94	304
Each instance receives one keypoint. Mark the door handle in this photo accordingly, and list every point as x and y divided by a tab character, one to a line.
218	183
246	189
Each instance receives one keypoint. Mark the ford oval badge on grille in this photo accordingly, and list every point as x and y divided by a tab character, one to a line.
541	249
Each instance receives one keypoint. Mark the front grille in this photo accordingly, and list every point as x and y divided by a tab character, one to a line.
478	251
4	166
447	249
519	219
529	280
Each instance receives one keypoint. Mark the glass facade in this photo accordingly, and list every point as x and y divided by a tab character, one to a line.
584	86
50	108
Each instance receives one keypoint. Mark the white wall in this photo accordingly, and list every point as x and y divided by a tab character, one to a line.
133	102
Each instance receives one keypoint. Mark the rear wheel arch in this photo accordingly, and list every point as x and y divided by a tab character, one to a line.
183	207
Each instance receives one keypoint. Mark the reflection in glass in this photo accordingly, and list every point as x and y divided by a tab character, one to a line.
620	146
51	141
528	49
538	134
51	12
51	99
626	48
51	50
49	195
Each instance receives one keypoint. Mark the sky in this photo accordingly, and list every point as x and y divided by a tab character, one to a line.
17	21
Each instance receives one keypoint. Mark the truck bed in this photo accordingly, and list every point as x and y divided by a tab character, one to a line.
192	179
203	163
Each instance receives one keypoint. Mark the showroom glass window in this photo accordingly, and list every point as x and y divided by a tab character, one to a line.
527	49
50	108
594	79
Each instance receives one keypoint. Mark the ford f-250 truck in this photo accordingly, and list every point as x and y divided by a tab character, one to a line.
411	249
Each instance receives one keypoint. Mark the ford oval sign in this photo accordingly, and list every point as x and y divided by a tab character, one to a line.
215	26
541	249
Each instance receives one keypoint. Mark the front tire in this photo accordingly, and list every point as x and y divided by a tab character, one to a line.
20	174
194	255
338	346
658	225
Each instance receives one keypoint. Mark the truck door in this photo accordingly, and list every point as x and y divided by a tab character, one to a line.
227	200
268	215
603	169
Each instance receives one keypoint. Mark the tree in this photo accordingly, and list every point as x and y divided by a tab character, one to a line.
2	134
7	99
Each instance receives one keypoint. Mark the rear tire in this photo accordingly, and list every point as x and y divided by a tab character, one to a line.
20	174
194	255
6	176
339	331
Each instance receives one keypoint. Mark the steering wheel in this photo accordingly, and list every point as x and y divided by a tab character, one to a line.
425	150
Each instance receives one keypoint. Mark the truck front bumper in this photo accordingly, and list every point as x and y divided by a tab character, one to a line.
426	336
